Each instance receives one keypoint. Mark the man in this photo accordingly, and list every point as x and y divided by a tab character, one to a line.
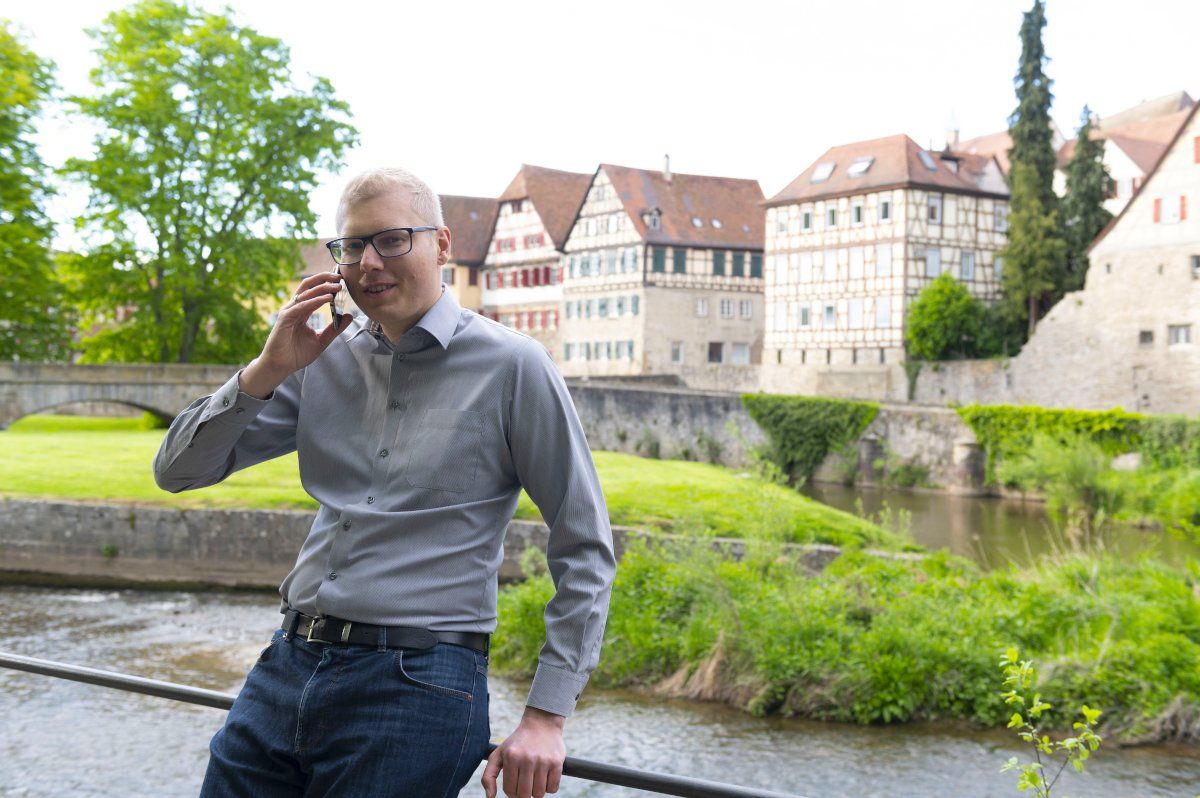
415	431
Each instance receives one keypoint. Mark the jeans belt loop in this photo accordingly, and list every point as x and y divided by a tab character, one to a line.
383	638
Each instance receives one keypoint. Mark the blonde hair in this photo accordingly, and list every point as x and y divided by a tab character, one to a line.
376	182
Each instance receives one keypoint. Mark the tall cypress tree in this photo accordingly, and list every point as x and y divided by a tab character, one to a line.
1083	211
1034	259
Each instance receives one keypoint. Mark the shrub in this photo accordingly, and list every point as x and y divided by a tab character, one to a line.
802	430
943	321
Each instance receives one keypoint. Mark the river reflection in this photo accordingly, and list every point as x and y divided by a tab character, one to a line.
60	738
993	532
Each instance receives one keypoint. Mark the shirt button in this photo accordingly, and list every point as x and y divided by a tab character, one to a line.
383	452
333	574
400	355
345	525
370	500
225	403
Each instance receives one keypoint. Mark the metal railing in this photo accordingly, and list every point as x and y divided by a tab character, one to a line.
617	775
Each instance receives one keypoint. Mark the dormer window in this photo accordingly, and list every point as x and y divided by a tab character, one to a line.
652	218
822	172
697	221
860	166
716	223
927	159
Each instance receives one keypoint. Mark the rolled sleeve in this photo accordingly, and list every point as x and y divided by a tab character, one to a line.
225	432
554	464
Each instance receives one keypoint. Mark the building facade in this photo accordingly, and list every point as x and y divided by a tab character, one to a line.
663	277
522	278
857	236
471	221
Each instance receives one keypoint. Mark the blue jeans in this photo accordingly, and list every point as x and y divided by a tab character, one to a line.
349	720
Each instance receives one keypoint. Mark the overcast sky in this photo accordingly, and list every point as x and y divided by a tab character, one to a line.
741	89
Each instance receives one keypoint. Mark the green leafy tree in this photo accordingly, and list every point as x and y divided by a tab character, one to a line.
1034	269
943	321
1034	253
199	185
33	323
1083	213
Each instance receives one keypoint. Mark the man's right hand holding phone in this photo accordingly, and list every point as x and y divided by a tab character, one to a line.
292	344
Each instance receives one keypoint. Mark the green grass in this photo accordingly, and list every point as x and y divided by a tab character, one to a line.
80	458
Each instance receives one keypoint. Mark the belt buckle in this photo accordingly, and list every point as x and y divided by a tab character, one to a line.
345	636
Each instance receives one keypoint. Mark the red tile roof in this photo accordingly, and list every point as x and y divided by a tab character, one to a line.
315	258
1144	141
471	221
995	144
734	203
556	196
897	163
1167	105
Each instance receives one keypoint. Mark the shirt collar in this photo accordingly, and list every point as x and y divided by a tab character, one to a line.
440	321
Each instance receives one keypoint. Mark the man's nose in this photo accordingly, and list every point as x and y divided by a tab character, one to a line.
370	259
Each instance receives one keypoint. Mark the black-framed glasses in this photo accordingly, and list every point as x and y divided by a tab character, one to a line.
388	243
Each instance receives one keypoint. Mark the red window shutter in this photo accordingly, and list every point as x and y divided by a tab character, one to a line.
1196	147
1182	207
543	320
545	275
1157	210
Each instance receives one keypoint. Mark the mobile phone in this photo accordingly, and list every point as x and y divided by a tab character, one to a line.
336	302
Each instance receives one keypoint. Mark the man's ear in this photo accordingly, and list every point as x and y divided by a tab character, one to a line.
443	245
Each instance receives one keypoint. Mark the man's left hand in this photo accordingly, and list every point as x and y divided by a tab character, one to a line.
531	757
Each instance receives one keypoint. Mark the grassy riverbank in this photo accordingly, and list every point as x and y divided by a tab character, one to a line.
875	640
108	459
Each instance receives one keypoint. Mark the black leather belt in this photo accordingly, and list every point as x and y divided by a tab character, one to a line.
336	630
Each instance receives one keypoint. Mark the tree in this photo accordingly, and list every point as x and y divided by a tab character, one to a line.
1034	268
199	183
1083	213
33	322
943	321
1034	253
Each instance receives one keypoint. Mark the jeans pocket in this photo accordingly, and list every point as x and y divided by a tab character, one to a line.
275	638
437	671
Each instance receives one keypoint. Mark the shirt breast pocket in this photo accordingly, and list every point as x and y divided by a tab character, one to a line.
444	450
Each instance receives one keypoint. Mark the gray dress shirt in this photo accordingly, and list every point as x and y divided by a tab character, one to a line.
417	453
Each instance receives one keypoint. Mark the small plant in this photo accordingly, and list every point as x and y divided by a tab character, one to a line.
711	447
1019	678
108	551
648	445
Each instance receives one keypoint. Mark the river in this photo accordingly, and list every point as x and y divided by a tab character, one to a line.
60	738
991	531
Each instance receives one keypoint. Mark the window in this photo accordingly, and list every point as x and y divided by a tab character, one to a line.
967	271
587	350
727	308
472	276
653	219
633	304
739	354
739	264
659	256
534	241
716	352
927	159
448	275
883	260
614	221
804	321
610	260
1171	210
860	166
570	310
856	214
781	220
806	221
718	262
830	259
602	307
756	265
883	312
885	210
590	226
935	208
822	172
831	217
702	306
679	258
830	317
746	309
506	244
1179	334
1196	267
998	267
629	349
677	352
620	306
856	313
857	258
1145	337
587	309
1000	219
716	223
594	261
933	262
599	194
697	221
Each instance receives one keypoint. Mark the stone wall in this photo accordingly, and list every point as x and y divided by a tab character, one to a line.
162	546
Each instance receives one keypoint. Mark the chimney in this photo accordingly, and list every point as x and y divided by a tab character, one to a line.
667	168
952	139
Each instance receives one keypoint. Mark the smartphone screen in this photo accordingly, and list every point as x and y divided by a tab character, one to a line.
335	301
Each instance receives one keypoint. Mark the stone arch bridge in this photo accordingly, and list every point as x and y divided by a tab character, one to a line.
162	389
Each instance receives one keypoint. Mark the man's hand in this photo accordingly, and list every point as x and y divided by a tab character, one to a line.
292	344
531	757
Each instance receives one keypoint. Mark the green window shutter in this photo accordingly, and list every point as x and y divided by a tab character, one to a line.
680	256
756	264
718	262
739	264
660	259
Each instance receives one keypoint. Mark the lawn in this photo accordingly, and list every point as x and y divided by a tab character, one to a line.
79	458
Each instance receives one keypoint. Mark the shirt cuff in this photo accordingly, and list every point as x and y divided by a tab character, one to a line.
229	403
555	690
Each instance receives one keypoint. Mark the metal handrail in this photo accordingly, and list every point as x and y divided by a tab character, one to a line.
616	775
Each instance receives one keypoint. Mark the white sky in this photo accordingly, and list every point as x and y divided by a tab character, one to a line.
741	89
